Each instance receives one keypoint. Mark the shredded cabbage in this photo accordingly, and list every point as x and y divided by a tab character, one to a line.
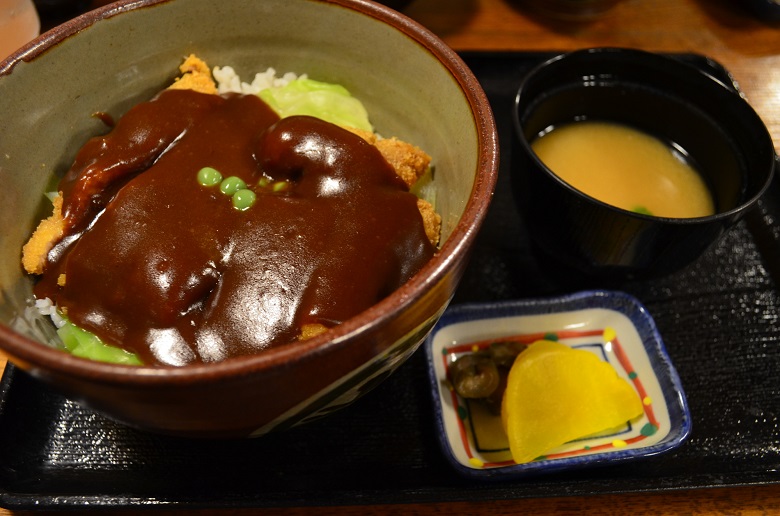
84	344
329	102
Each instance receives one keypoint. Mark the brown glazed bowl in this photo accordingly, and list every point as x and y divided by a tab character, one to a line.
413	86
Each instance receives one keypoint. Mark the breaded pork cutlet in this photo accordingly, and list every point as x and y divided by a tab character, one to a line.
48	233
408	161
195	76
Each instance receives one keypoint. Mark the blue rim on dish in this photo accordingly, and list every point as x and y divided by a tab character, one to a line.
614	325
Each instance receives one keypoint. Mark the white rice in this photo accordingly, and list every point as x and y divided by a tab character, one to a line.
46	307
36	320
228	80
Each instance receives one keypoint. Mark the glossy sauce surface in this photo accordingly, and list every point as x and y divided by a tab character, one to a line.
167	268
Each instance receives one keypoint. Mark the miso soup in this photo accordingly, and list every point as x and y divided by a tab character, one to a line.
626	168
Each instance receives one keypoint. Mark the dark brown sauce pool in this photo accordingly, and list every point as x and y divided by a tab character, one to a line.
167	268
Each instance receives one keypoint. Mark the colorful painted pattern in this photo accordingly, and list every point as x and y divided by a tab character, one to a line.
617	439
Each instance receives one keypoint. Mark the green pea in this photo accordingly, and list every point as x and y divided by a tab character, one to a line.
243	199
231	185
208	176
280	186
642	210
264	182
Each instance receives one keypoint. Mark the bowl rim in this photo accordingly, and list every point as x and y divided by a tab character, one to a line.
42	357
640	57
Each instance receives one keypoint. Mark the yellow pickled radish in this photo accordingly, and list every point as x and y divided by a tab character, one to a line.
556	394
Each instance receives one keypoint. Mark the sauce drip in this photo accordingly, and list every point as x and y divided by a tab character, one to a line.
167	268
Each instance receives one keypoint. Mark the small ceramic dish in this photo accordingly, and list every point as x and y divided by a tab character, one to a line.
613	325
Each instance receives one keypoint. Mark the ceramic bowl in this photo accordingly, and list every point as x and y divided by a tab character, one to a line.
613	325
673	101
107	60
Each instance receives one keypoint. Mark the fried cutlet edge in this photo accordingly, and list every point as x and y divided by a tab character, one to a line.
48	232
196	76
410	163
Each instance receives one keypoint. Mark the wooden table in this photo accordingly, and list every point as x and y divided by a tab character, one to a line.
721	29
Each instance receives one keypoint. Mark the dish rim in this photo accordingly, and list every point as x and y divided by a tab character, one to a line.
668	380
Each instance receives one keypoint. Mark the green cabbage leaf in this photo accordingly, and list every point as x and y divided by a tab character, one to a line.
84	344
329	102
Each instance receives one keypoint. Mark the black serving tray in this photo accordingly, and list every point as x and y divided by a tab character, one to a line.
719	318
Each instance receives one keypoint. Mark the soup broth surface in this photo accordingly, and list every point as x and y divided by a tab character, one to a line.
625	167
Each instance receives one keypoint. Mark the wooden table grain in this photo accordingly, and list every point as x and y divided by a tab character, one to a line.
724	30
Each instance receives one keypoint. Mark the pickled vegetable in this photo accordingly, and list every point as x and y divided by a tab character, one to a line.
474	376
482	375
556	394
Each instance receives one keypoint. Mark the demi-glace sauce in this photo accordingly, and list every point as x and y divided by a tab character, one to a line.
625	167
167	268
